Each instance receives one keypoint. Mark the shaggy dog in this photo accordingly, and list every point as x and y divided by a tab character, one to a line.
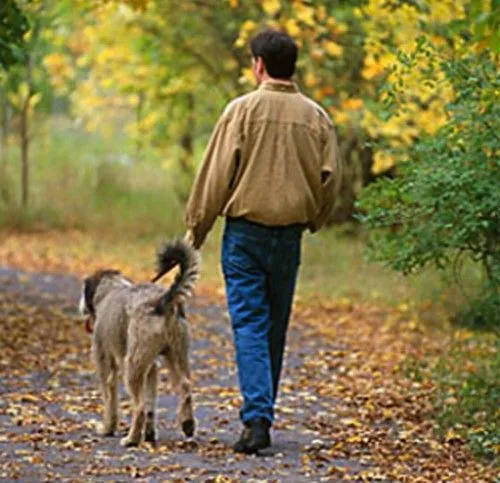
135	324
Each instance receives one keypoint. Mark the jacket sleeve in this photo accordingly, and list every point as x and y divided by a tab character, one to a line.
331	177
211	187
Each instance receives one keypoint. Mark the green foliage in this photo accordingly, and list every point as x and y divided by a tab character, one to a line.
444	205
486	25
468	394
13	26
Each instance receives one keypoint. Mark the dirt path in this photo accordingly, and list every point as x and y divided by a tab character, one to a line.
49	407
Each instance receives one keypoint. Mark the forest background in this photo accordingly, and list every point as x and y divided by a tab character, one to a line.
106	107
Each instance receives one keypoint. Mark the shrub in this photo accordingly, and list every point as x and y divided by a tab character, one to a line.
444	204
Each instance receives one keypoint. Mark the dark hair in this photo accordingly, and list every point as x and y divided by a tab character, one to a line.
278	51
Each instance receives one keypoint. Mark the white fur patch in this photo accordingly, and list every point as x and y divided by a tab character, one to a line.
125	281
82	306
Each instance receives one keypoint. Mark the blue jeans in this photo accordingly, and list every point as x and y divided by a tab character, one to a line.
260	266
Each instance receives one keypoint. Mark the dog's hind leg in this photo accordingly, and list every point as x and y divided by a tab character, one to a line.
178	362
135	375
151	392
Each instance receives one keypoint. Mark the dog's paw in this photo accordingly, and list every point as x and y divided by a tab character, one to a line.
129	442
188	427
106	431
150	436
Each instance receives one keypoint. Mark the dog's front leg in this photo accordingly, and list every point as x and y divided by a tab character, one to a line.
110	391
108	379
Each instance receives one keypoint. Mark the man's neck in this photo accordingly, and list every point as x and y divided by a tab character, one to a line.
272	80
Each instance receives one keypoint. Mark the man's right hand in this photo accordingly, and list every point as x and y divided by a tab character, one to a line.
189	238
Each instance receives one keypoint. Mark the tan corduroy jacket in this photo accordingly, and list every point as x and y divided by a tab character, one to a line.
273	159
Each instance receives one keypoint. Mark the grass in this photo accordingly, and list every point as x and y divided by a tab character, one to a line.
81	182
467	395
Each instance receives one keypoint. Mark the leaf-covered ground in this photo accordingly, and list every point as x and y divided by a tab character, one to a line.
346	411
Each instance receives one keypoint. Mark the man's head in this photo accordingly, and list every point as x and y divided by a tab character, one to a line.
274	55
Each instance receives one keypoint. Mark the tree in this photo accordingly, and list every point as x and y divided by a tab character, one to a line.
23	79
13	26
443	206
418	99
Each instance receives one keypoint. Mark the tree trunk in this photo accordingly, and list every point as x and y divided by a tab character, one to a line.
25	140
138	119
4	149
187	139
186	160
24	155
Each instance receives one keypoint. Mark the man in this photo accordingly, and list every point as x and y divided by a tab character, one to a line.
272	168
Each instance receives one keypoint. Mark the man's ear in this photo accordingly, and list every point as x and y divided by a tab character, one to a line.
260	66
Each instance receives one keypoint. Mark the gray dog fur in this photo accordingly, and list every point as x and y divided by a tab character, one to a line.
134	325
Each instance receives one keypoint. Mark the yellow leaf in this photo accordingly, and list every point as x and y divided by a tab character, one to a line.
340	29
355	439
233	3
317	53
247	77
54	61
318	94
292	27
248	26
310	79
321	12
34	100
452	435
352	422
331	23
24	90
305	14
83	61
334	49
271	7
341	117
382	161
246	29
352	104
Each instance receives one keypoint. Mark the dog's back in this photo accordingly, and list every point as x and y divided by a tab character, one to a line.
111	326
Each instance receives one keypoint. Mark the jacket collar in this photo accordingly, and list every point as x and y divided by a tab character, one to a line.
279	86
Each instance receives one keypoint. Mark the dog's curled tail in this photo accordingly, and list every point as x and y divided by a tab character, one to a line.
181	253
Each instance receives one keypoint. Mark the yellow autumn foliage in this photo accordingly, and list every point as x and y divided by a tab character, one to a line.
420	106
333	49
271	7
